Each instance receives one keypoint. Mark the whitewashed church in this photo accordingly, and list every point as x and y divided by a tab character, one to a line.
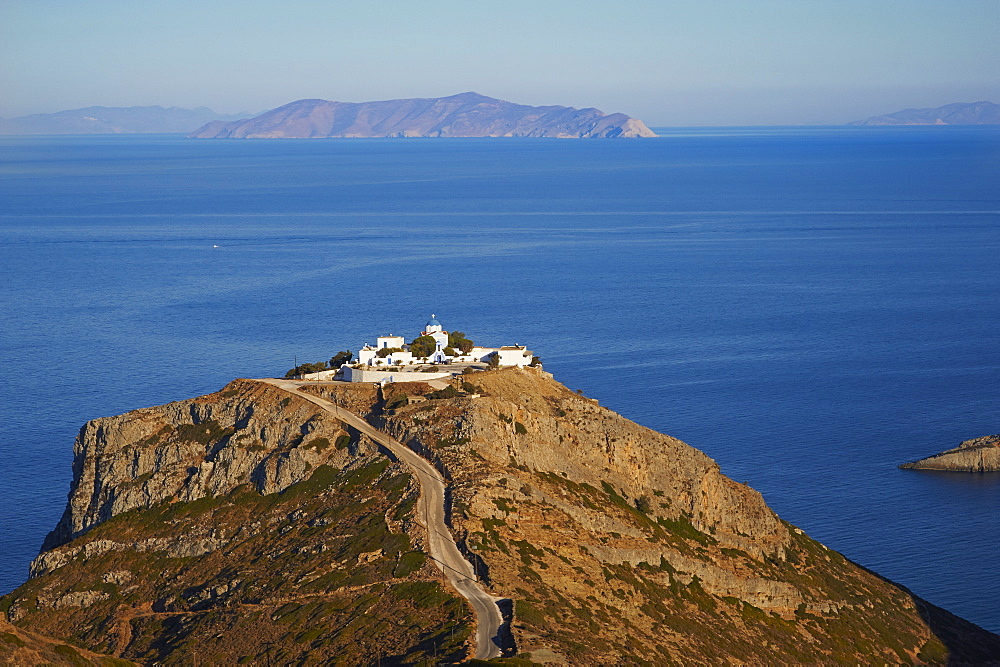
396	355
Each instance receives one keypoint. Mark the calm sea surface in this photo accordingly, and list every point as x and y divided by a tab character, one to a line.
809	306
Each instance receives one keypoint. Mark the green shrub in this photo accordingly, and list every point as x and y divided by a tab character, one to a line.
503	505
310	635
71	654
643	504
409	563
11	639
933	652
682	527
447	392
205	433
341	358
319	444
397	402
321	478
528	613
306	368
520	429
365	476
404	509
423	346
424	594
458	339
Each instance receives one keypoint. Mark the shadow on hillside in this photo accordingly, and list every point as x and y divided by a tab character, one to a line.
966	642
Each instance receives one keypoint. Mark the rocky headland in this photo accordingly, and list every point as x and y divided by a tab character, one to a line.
463	115
976	455
254	525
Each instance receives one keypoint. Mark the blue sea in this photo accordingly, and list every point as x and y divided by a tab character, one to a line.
809	306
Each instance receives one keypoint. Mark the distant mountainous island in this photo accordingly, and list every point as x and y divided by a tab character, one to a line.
114	120
463	115
960	113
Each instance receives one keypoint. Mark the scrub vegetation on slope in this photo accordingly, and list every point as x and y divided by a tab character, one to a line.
258	528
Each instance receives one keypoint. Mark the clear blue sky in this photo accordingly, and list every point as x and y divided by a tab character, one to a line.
695	62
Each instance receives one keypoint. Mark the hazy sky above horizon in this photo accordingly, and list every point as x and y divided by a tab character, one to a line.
707	62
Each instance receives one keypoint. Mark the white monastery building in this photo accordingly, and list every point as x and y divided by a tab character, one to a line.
391	360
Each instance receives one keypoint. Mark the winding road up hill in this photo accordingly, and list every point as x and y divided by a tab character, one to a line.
464	115
276	522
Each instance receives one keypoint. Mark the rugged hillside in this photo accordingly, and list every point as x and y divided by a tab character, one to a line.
615	540
244	524
112	120
250	526
976	455
959	113
22	647
464	115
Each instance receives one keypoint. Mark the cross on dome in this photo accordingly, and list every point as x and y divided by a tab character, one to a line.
433	325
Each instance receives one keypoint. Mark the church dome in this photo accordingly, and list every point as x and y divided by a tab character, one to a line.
432	322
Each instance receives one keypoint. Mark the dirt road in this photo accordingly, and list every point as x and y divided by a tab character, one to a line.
442	545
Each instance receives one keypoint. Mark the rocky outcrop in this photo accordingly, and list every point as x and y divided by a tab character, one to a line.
249	526
464	115
976	455
244	525
249	433
621	544
573	437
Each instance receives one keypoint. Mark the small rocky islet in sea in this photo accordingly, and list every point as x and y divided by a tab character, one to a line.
293	520
975	455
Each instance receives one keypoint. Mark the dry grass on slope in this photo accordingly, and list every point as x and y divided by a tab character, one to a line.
619	544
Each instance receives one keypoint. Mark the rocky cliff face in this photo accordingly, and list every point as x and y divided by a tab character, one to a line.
247	526
248	433
976	455
242	524
619	541
464	115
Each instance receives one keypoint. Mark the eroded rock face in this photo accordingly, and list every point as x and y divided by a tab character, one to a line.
248	433
976	455
254	526
526	420
621	544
